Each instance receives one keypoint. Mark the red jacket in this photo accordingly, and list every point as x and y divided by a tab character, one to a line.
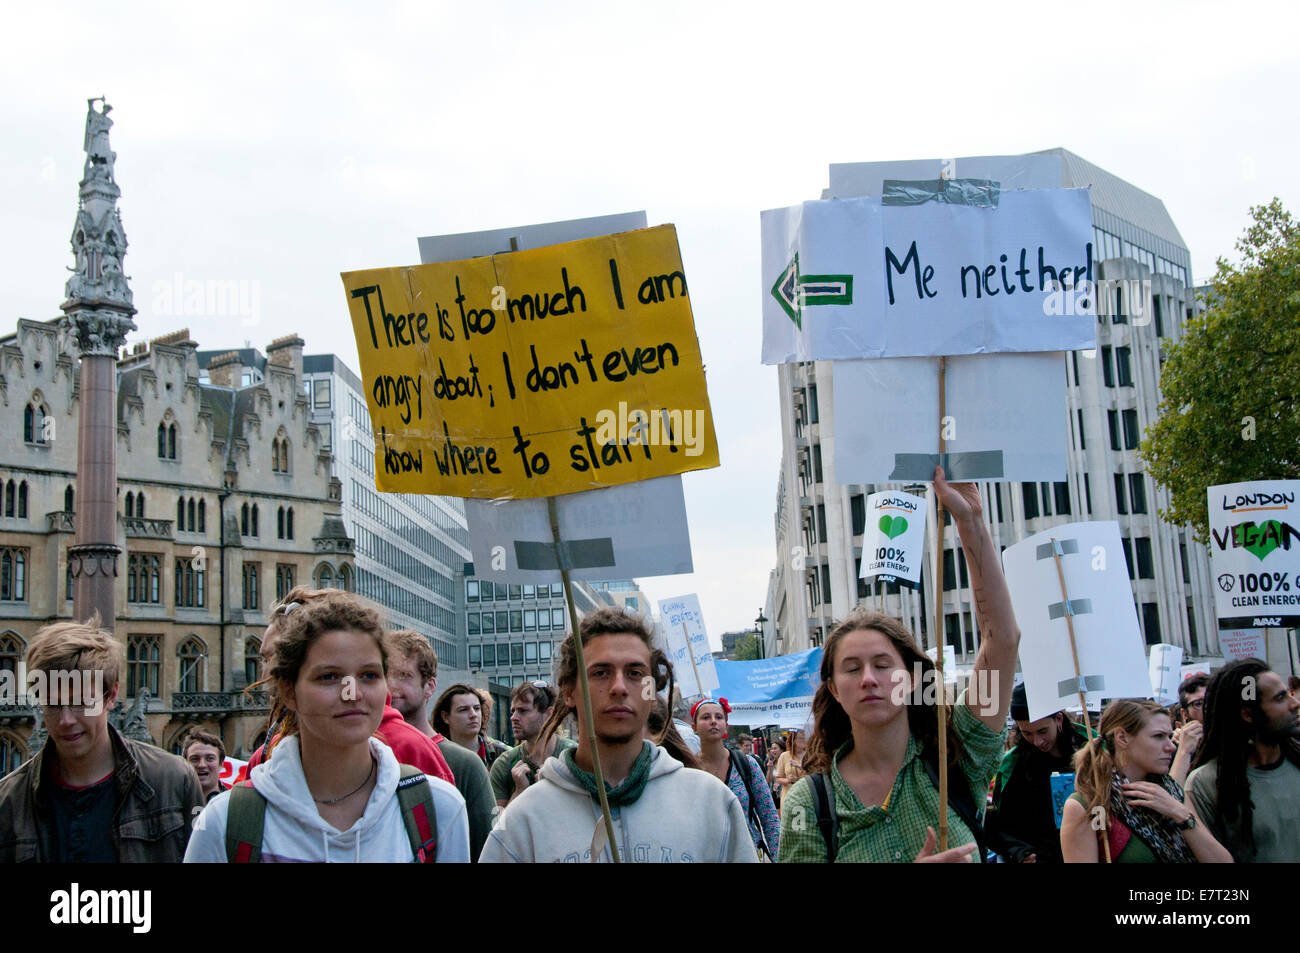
408	744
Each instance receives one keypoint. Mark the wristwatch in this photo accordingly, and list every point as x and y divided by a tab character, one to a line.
1188	824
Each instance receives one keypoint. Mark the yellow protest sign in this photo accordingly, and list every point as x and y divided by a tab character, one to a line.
534	373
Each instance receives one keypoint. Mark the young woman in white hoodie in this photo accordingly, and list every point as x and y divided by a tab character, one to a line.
331	789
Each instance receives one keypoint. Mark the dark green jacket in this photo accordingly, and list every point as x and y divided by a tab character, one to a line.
1022	821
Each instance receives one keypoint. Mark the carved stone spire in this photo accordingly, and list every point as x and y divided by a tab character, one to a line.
99	305
98	314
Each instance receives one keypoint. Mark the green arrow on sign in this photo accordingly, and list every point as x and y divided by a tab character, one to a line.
793	291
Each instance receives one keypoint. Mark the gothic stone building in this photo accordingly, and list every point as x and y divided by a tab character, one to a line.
224	501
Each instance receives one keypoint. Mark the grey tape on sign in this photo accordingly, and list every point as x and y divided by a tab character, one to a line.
974	465
1074	607
1086	683
1067	546
581	553
981	193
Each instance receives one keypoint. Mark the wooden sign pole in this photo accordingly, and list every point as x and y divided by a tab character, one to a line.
562	558
942	696
690	653
1074	652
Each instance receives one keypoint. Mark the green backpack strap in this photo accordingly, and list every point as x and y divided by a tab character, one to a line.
245	816
415	799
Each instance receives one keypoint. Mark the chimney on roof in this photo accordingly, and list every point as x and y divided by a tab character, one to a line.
287	352
225	370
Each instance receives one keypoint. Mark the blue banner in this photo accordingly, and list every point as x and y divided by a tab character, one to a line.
774	691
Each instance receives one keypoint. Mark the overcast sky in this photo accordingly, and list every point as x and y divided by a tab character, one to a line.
282	144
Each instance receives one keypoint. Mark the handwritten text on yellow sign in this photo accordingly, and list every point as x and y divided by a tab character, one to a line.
534	373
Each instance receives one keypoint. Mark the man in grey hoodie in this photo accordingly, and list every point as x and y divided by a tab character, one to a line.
662	812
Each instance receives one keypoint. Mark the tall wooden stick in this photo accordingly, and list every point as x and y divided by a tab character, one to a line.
690	653
939	633
562	558
1078	675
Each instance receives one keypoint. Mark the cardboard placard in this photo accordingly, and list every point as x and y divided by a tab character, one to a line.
1255	553
1242	643
1004	416
683	627
1098	597
864	278
534	373
1164	669
637	529
894	542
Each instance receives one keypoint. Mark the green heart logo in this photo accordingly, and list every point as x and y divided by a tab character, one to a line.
1262	539
893	526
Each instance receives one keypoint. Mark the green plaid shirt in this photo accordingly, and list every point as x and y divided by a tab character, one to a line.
875	836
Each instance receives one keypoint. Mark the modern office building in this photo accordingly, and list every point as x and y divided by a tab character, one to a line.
1112	397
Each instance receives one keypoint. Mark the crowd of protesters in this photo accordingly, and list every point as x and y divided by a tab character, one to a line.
364	760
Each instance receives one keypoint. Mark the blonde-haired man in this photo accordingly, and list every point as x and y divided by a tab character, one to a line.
90	795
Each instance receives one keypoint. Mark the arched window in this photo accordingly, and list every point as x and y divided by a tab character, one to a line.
288	524
345	578
191	656
180	514
130	504
11	652
155	579
203	517
22	500
139	504
284	455
68	499
190	509
162	441
11	490
255	519
275	456
12	754
325	577
142	663
29	424
171	442
279	523
252	661
243	520
13	575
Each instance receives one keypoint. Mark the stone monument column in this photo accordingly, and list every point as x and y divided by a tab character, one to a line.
97	315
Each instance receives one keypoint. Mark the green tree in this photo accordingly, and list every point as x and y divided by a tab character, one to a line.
747	648
1230	408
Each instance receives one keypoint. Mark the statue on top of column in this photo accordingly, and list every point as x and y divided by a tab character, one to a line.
99	157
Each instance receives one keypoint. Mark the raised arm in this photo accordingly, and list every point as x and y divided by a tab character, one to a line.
989	694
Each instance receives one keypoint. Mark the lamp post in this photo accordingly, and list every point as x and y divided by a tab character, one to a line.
758	624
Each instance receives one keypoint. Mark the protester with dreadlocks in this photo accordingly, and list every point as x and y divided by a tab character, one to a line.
871	792
662	812
1122	779
1247	781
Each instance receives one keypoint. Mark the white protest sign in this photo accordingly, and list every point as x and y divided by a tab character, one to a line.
1254	530
620	532
1003	418
956	278
1242	643
683	626
949	662
895	537
1099	599
1163	670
